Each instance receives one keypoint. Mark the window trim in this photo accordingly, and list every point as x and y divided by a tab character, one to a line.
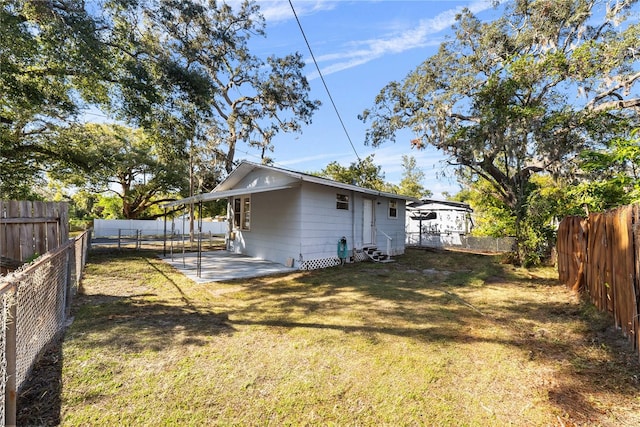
246	213
342	201
392	206
242	212
237	212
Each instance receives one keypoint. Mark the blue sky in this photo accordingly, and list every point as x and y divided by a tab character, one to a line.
360	46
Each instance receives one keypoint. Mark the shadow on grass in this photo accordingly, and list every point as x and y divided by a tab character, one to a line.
421	296
424	299
135	324
39	399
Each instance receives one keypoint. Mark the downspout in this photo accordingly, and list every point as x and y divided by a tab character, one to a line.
164	240
353	225
229	222
302	217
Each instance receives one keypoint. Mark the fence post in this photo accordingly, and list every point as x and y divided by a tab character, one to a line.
10	404
68	282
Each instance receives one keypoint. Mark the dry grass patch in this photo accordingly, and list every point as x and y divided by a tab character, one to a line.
435	338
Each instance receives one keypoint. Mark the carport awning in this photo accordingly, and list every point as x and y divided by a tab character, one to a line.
217	195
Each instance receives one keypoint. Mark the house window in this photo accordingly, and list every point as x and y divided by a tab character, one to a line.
393	209
246	213
342	201
242	213
236	212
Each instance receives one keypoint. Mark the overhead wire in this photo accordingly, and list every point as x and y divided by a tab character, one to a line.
323	81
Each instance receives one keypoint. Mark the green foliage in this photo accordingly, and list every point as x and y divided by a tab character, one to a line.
138	168
108	207
209	83
610	176
51	59
496	98
364	173
412	178
182	71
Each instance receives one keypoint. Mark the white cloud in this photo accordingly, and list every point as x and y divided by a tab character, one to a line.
280	10
363	51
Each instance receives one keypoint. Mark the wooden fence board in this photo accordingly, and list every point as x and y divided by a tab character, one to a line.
26	231
31	227
53	229
636	278
63	214
3	228
610	262
39	230
13	233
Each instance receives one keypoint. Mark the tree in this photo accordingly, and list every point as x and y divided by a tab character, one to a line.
180	70
610	176
412	177
50	55
126	162
363	173
230	95
496	98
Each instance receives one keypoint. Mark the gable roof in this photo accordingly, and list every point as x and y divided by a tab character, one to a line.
228	187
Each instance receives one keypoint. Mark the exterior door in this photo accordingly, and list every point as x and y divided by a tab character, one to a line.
368	222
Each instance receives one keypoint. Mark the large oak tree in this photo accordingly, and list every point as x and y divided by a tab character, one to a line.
182	70
521	95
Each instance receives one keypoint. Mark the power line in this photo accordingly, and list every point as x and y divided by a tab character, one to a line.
323	81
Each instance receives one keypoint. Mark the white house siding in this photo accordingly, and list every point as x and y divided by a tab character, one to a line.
323	223
393	227
275	227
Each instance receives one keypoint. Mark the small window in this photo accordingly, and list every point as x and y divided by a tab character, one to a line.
246	213
236	212
342	202
393	209
242	213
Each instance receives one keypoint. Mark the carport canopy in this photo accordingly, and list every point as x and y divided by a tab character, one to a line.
217	195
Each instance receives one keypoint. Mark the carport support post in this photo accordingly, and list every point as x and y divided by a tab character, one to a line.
164	240
199	267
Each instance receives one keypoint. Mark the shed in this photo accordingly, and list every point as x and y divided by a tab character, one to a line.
296	218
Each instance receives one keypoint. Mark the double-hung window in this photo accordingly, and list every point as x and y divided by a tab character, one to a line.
242	212
342	201
393	209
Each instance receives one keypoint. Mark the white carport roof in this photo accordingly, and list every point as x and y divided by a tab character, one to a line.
225	188
217	195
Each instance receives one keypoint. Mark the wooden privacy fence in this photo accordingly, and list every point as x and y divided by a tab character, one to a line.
600	256
30	228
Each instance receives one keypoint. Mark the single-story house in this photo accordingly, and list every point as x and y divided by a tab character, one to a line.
442	218
299	219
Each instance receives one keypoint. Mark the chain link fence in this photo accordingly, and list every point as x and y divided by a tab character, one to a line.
457	241
36	302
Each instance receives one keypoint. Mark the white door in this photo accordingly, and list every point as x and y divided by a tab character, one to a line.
368	222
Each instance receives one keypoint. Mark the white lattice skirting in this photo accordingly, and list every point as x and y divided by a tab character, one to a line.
315	264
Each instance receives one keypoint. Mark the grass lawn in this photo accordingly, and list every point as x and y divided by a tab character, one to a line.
436	338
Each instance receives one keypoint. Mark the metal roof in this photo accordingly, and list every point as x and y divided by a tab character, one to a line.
225	188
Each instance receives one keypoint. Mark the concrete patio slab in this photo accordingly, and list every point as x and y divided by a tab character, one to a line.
220	266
